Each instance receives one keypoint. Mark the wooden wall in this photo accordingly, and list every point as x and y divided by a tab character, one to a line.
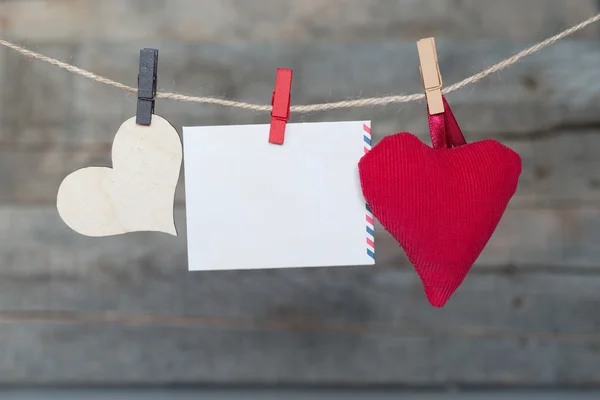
124	310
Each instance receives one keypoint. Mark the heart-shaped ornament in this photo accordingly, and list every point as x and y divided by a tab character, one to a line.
441	204
137	194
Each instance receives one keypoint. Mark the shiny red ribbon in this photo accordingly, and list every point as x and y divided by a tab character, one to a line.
444	130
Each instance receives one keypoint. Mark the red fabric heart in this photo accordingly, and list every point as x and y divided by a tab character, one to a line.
441	204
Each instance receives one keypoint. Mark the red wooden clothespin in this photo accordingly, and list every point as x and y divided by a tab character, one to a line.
281	105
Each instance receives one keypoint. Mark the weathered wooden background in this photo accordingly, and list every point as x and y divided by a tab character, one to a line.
78	310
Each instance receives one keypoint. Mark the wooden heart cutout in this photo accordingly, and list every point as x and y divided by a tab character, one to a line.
136	194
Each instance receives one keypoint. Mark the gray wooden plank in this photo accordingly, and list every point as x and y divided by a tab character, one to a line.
326	326
35	241
144	318
79	354
559	170
507	103
34	95
287	20
250	393
124	310
556	88
492	303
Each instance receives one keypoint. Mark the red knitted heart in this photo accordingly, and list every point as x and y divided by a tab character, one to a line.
441	204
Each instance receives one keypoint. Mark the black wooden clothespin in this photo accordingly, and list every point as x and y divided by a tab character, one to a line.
146	86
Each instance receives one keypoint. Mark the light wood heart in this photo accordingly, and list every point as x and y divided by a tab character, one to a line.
137	194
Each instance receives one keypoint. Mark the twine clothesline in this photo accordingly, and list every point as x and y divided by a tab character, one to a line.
364	102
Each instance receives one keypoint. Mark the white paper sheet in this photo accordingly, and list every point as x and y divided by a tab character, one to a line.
252	204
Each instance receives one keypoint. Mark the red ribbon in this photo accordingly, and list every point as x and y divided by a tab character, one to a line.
444	130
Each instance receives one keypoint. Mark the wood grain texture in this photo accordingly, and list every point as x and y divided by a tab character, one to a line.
36	242
73	354
290	21
125	321
122	310
135	193
560	169
534	97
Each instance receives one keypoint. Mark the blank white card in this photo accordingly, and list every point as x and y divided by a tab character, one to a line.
252	204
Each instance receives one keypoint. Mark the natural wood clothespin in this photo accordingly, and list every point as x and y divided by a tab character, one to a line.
430	73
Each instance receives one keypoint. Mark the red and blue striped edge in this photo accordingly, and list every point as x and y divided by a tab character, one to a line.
369	213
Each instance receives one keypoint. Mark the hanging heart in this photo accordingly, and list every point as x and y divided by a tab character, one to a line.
137	194
441	204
